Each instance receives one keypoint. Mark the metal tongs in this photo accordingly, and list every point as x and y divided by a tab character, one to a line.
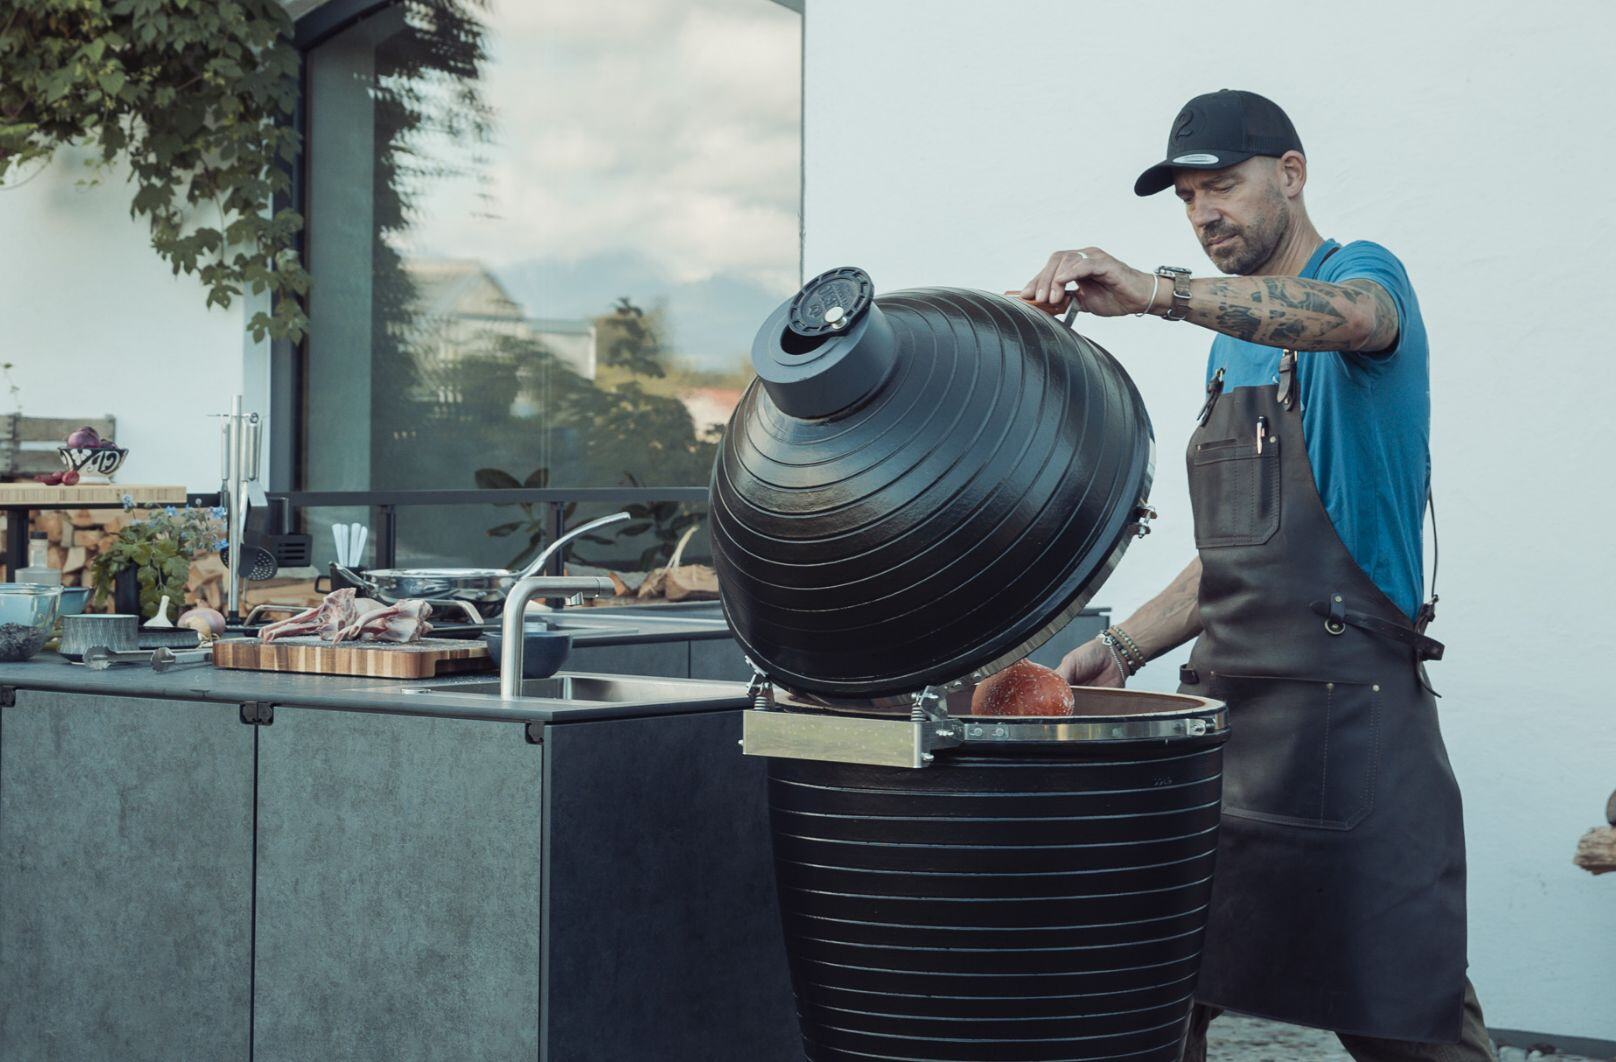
99	657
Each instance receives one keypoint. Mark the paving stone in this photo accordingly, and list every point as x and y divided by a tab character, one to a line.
1234	1038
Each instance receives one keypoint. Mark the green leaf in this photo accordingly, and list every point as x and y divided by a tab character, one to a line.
538	478
501	530
111	81
495	479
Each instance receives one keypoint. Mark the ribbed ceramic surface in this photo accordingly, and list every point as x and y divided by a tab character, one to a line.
944	521
998	908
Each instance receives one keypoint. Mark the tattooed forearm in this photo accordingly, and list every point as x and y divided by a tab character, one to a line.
1297	313
1383	336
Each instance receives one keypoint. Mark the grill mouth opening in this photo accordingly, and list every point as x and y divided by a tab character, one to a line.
798	345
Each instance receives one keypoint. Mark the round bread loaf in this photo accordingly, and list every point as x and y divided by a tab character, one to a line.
1023	688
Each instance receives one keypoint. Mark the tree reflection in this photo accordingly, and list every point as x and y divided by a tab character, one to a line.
461	379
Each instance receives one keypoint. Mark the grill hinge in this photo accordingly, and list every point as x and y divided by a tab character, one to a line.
257	713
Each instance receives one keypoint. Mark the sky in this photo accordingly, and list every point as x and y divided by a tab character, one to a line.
667	130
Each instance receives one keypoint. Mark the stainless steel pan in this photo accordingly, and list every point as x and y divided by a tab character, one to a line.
484	589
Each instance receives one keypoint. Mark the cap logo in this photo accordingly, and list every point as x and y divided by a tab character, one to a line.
1199	158
1185	124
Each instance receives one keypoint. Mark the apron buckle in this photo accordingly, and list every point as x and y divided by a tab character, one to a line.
1335	621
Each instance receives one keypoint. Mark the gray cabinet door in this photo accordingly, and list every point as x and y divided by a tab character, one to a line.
125	879
398	889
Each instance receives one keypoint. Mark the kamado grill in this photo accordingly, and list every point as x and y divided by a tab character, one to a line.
917	491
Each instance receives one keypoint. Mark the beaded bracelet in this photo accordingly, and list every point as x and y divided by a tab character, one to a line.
1130	647
1125	649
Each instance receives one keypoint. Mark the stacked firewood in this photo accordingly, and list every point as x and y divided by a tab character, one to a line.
76	536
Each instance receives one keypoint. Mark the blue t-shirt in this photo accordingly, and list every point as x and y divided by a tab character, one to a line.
1367	421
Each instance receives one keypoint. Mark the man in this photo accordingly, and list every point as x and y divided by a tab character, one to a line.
1339	895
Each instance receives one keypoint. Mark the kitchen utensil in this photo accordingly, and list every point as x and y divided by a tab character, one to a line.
173	638
99	657
27	617
118	632
240	435
161	620
544	650
165	659
917	491
415	660
356	548
256	564
484	588
74	598
339	542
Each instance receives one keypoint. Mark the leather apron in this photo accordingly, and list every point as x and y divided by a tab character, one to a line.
1339	896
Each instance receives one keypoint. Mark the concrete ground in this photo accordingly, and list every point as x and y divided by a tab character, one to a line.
1237	1039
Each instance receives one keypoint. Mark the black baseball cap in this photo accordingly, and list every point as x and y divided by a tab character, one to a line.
1220	129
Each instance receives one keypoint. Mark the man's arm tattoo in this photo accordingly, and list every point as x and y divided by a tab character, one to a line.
1384	334
1297	313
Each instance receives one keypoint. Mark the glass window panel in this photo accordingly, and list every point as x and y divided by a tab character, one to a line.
542	235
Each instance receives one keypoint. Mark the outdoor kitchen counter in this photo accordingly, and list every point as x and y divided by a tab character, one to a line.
364	873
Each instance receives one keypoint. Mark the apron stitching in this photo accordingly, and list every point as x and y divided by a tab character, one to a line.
1324	769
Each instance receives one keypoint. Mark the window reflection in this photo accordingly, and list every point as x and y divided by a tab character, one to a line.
542	234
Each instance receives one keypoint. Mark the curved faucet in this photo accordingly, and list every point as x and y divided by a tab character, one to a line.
512	624
537	564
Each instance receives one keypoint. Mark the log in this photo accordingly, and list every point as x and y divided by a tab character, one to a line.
76	559
691	582
88	537
1596	852
50	523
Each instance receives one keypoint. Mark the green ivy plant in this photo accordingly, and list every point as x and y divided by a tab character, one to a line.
195	96
160	548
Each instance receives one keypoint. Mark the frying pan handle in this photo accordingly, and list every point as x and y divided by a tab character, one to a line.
354	578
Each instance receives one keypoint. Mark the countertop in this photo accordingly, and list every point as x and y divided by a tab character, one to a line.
351	693
201	682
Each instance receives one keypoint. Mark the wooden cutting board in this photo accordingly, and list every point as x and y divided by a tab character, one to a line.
314	656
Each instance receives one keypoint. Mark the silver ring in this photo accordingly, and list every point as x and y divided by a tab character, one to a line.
1080	254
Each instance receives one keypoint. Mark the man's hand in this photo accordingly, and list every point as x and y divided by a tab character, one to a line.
1105	286
1091	664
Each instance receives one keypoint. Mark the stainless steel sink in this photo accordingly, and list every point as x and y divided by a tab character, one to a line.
581	688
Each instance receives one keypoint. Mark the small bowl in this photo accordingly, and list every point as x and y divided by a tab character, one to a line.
27	617
94	460
74	598
543	650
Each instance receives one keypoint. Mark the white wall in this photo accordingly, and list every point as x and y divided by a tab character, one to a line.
958	143
95	323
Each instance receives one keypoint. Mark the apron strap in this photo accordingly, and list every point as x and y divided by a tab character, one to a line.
1427	612
1337	618
1287	379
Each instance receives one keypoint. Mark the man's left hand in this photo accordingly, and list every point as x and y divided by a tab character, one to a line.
1106	287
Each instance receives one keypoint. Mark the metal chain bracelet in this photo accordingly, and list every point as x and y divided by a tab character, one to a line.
1129	657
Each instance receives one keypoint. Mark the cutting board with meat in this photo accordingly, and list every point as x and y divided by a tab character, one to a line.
349	635
316	656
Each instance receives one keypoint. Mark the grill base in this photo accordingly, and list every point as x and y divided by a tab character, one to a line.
1005	905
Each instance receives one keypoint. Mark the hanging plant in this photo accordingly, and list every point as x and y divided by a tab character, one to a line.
195	97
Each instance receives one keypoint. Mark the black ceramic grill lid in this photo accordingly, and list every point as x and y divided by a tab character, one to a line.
921	488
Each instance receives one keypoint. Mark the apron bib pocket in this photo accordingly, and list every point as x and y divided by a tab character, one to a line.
1234	492
1303	752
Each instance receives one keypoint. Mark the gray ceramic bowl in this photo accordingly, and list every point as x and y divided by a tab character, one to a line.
27	617
117	632
543	650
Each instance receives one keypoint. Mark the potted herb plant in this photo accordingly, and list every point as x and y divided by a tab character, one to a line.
152	558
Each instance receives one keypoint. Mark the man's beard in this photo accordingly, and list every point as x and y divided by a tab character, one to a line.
1247	249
